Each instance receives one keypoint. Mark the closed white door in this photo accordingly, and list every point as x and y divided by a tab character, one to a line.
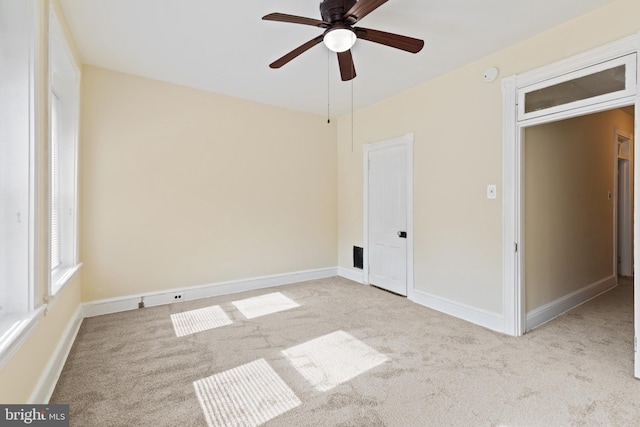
387	222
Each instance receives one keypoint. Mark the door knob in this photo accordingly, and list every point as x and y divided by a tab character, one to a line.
402	234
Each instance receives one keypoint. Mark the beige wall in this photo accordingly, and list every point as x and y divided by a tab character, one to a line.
181	187
569	229
457	121
20	375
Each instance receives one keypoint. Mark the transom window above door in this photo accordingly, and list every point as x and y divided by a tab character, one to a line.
598	83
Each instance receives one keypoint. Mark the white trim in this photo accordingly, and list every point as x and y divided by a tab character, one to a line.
480	317
130	302
49	378
609	51
66	274
628	61
616	201
629	136
410	229
18	328
510	293
351	274
513	164
636	228
35	191
580	111
407	140
568	302
68	87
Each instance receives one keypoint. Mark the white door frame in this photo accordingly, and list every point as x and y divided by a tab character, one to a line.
618	133
407	141
513	168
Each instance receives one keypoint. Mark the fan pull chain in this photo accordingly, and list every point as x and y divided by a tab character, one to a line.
352	115
328	89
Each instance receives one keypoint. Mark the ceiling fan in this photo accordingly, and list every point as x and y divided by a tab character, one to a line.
338	20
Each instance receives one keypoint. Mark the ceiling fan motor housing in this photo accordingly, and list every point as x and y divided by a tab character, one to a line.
338	20
334	10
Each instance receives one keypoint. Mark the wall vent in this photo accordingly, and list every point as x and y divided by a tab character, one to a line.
357	257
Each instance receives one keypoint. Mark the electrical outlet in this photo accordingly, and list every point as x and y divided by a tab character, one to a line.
177	297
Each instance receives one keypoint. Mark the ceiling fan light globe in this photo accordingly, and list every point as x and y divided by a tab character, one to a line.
339	39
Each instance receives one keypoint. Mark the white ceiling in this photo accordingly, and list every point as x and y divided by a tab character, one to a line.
225	47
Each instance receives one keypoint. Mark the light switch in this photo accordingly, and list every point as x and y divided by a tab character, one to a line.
491	191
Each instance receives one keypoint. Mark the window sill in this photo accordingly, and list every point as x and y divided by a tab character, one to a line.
61	276
14	331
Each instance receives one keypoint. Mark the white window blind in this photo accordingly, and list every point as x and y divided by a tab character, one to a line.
55	184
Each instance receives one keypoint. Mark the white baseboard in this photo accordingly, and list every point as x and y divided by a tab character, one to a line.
555	308
47	382
478	316
130	302
351	274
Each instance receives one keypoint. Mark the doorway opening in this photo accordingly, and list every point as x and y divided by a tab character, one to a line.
598	80
623	162
573	222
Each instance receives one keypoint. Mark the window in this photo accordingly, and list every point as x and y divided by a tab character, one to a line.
585	87
20	130
18	290
598	83
64	78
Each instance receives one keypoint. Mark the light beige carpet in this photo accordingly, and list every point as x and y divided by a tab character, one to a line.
343	354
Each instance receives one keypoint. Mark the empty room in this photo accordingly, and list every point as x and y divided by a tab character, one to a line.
336	212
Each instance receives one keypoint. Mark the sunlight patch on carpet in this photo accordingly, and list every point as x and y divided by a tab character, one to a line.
333	359
201	319
264	304
248	395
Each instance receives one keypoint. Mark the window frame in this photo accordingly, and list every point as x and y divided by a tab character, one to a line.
64	93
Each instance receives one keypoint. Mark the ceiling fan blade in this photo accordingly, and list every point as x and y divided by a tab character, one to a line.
405	43
361	9
293	19
295	52
347	69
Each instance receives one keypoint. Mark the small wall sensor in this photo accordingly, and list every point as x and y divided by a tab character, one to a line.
490	74
491	191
